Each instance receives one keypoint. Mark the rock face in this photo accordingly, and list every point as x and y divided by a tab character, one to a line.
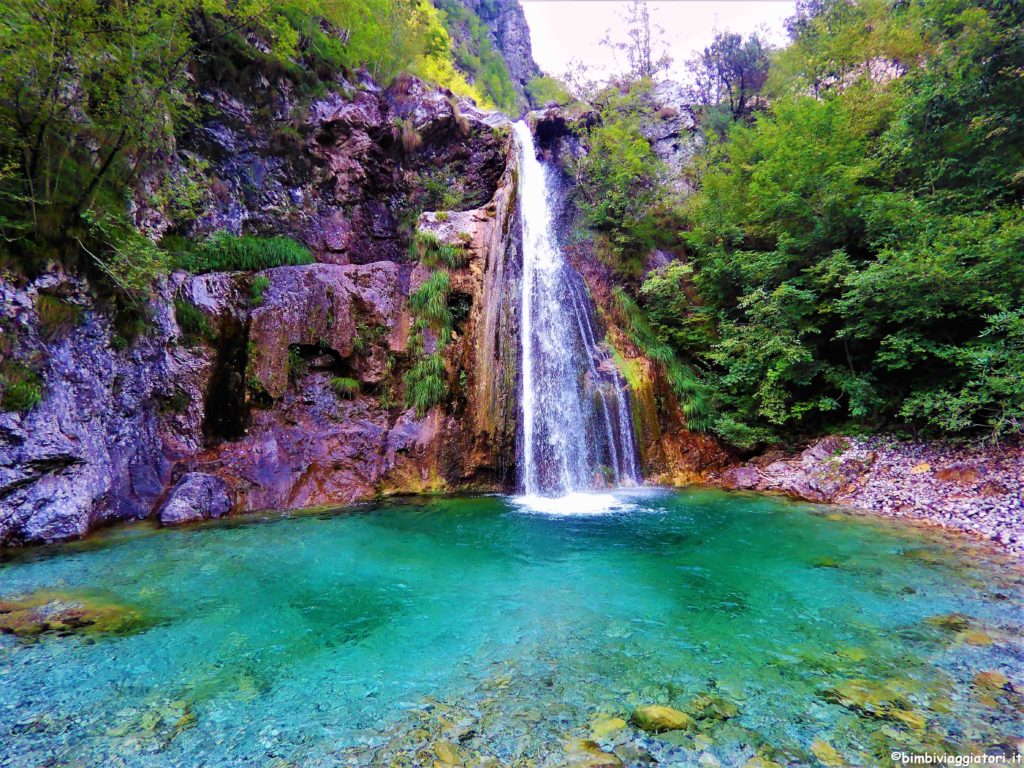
510	34
292	401
91	451
976	489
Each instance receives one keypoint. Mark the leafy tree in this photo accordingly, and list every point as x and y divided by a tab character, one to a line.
645	48
729	74
855	254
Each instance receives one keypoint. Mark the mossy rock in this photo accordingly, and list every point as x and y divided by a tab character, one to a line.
705	706
656	718
67	613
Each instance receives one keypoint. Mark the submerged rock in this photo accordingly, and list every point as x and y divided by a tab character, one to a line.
656	718
63	613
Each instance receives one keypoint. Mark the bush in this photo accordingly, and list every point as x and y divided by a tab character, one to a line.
543	90
426	384
224	252
620	179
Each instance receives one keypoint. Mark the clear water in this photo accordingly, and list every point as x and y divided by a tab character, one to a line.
577	430
368	636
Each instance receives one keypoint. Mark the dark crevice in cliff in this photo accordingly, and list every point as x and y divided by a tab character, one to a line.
226	414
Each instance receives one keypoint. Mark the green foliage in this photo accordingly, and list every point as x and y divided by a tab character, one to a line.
620	178
224	252
93	92
193	323
426	383
477	57
857	253
344	386
21	389
694	400
257	288
544	90
429	303
56	316
435	253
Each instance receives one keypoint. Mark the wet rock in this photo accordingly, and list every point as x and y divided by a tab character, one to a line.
196	496
656	718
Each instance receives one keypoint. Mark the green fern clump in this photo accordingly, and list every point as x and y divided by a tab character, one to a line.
224	252
435	253
345	386
426	384
21	389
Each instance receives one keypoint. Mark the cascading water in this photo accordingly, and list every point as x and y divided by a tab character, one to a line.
577	430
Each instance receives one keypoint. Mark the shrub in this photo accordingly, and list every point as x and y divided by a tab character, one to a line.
224	252
345	386
21	387
543	90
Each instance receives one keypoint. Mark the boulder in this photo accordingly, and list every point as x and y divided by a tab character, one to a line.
196	496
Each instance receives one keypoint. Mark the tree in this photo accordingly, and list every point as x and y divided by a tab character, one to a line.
730	73
644	46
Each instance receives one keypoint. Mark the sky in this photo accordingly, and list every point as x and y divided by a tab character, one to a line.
563	30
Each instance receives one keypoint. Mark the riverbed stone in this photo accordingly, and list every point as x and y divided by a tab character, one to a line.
656	718
65	613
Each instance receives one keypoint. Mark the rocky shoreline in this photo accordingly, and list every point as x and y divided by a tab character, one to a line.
977	489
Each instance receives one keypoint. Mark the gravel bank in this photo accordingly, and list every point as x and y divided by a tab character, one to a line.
977	489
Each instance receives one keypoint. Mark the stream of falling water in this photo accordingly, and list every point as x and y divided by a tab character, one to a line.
577	430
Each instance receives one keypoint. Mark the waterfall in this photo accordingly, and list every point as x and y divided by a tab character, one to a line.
577	429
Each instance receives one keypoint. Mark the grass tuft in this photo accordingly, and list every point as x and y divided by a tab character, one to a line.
224	252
